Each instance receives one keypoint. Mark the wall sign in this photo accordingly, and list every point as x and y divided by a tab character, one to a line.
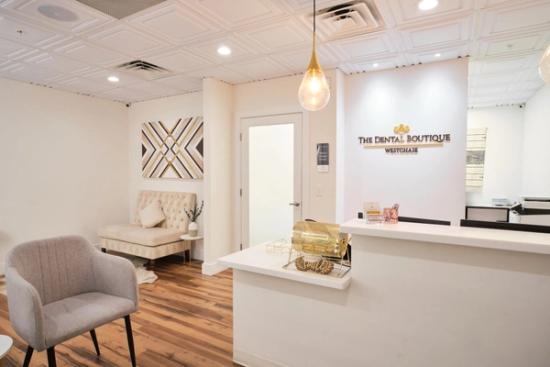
322	157
403	142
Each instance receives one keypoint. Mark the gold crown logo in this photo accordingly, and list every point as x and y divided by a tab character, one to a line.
401	129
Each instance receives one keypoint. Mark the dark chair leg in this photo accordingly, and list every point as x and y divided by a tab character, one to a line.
103	249
130	339
51	357
28	356
94	339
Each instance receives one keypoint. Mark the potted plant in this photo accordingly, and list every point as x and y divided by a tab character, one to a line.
193	214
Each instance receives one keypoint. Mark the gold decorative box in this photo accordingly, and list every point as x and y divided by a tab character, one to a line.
318	247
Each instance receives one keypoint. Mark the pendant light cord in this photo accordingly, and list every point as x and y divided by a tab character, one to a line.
314	25
314	16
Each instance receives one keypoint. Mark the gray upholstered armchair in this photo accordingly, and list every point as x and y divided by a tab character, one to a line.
62	287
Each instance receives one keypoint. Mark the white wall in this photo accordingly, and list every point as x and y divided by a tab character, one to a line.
164	109
536	150
218	179
64	164
430	98
503	153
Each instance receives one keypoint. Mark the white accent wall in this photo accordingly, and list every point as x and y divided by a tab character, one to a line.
536	149
429	98
164	109
503	154
64	160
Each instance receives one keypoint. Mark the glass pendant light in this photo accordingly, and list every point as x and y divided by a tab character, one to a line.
544	66
314	92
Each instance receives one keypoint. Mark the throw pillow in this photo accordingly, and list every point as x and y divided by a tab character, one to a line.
151	215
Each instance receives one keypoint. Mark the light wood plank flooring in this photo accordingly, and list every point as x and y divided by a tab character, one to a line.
185	319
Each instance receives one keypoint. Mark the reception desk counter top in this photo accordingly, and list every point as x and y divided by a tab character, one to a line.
538	243
422	295
257	259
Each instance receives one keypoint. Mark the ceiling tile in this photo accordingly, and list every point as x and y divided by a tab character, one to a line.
56	62
82	85
220	72
407	10
521	16
86	52
29	73
361	47
101	75
437	34
126	95
509	46
77	17
261	68
208	50
156	89
175	23
24	33
178	60
9	49
236	13
298	60
182	82
279	36
127	40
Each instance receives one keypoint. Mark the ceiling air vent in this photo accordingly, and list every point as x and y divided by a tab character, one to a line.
348	19
144	69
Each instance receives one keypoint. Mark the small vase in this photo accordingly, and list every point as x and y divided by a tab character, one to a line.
193	229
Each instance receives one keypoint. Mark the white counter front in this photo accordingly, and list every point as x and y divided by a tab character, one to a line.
420	295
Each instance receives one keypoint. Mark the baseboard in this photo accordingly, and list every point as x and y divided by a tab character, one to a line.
212	268
251	360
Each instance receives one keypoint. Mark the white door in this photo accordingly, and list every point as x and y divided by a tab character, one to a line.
271	177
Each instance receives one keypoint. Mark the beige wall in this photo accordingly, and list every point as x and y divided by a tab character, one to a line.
163	109
218	113
279	96
64	164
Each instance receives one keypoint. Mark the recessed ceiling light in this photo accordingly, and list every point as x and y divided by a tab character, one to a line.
427	4
113	79
57	13
437	55
224	50
375	65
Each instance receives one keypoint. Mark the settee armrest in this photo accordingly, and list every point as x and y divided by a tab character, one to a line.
116	276
25	309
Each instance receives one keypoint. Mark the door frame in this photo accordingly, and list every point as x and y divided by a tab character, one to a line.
299	166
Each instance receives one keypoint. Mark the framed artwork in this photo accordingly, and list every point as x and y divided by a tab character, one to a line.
476	144
172	150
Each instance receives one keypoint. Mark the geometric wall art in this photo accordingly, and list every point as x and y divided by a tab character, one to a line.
172	150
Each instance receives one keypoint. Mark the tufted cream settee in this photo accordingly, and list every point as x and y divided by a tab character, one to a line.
156	242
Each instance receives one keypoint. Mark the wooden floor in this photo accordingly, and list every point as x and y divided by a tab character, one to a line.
185	319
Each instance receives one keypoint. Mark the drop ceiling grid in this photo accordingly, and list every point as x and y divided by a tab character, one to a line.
270	38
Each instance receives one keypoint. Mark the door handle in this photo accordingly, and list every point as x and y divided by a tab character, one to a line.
294	203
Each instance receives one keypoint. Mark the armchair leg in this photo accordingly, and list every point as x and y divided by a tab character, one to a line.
51	357
130	339
94	339
28	356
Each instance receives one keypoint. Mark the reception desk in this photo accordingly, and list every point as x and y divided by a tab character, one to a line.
418	295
